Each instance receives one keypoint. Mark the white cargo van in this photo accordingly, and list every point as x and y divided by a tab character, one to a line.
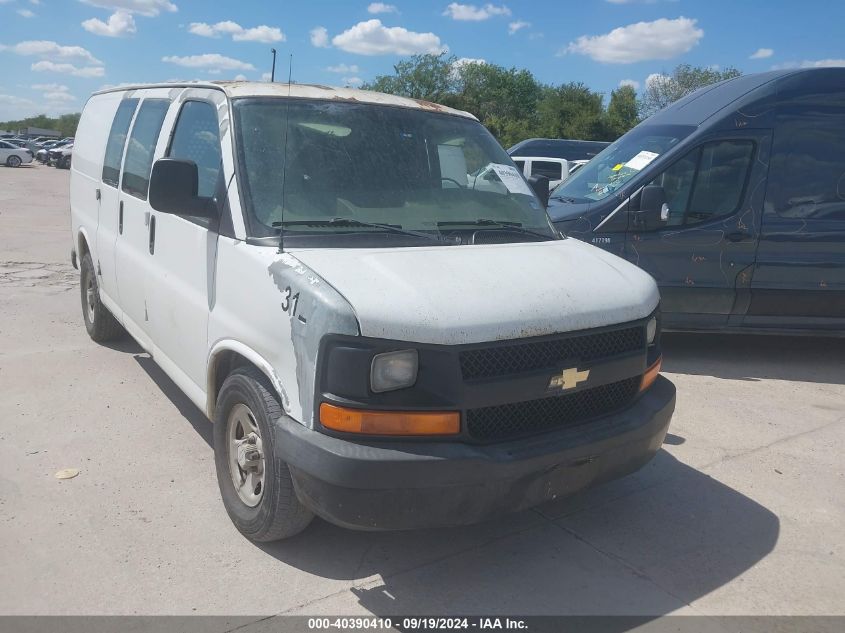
377	341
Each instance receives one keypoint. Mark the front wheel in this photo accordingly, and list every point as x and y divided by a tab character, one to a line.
13	161
100	323
255	484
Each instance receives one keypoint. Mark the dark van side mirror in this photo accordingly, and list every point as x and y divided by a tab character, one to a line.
540	185
173	189
654	211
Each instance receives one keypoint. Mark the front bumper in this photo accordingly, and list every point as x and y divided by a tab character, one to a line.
405	484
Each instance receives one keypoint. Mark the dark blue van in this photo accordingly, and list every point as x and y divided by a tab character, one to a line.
733	198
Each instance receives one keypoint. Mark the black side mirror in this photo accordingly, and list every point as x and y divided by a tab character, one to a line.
173	189
540	185
653	211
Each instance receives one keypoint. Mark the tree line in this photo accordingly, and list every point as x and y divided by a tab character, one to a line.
514	106
510	102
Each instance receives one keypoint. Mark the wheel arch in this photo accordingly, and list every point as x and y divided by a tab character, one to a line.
227	355
83	243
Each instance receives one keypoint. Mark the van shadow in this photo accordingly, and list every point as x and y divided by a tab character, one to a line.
644	545
755	357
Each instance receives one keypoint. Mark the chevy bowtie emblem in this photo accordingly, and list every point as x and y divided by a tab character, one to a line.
568	378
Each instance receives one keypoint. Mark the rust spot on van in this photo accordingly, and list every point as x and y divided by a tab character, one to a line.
428	105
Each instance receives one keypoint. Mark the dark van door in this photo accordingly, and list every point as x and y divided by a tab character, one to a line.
800	277
701	248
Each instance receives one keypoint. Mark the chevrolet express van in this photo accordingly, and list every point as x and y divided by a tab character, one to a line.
377	340
733	199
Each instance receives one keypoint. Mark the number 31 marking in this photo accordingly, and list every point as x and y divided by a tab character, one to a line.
290	302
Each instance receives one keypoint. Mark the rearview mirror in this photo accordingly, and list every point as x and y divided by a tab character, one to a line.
173	189
540	185
654	211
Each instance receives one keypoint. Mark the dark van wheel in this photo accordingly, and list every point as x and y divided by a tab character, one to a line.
99	322
255	484
13	161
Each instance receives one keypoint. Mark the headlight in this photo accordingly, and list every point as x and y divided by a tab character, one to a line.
394	370
651	330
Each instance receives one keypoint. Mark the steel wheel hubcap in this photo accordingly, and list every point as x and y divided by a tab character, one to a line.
246	455
90	298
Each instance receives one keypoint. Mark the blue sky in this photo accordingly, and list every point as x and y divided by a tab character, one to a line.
54	53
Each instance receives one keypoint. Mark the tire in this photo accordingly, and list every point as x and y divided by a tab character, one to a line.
247	401
100	323
13	161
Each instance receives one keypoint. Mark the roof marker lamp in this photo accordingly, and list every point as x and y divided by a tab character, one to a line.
394	370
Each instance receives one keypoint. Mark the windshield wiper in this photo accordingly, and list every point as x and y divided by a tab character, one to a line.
566	199
502	224
395	228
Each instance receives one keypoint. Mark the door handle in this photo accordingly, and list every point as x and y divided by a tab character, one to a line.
152	235
738	236
120	219
97	193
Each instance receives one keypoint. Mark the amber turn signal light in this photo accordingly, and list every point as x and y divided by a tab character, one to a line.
650	374
389	422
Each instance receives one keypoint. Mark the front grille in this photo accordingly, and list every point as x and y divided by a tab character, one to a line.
501	360
506	421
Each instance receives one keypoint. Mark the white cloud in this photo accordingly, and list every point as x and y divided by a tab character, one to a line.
515	26
59	96
630	82
352	81
661	39
762	53
120	24
373	38
47	48
472	13
142	7
818	63
68	69
381	7
343	68
261	33
240	77
265	76
464	61
656	79
26	13
213	62
320	37
50	87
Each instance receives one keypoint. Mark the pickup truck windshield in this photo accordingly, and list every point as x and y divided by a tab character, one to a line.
330	171
620	162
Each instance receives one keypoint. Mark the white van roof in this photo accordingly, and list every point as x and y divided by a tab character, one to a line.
234	89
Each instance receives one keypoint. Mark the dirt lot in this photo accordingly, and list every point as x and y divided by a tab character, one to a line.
743	512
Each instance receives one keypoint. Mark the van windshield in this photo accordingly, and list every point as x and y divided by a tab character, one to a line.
620	162
331	170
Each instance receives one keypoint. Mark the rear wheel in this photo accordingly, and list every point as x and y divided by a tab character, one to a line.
255	484
13	161
100	323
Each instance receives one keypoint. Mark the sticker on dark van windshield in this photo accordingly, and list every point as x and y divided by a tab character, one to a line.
511	178
641	160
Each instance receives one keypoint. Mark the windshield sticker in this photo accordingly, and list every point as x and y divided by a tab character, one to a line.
511	178
641	160
618	167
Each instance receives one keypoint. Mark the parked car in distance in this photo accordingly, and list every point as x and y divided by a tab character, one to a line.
63	157
733	198
14	156
555	169
569	149
378	342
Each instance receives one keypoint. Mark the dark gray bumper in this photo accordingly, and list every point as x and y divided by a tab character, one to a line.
390	485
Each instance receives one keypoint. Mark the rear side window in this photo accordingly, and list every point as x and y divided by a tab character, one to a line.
549	169
807	174
142	144
707	183
117	139
197	138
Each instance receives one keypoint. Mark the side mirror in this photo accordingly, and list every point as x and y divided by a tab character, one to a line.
540	185
173	189
653	211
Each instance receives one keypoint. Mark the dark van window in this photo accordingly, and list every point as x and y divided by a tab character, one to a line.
708	182
549	169
197	138
520	165
807	173
142	144
117	139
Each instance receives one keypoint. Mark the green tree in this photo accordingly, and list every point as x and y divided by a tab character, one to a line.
571	111
622	112
663	90
428	77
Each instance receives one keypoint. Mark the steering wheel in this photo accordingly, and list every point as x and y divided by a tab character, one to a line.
460	186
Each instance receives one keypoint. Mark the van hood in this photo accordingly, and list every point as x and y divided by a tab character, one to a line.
472	294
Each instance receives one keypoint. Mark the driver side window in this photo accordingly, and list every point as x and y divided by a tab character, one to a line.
709	182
